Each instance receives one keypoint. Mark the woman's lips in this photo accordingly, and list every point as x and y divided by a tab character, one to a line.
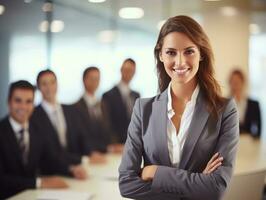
181	71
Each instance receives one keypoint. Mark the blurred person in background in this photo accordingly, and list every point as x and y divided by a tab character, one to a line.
90	114
118	105
59	124
248	109
24	151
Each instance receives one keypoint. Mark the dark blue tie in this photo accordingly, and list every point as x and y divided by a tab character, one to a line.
22	145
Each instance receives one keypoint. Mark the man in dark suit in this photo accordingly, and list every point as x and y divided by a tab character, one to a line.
118	104
23	150
252	120
59	124
90	114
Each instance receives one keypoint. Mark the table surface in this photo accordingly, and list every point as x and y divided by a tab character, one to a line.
103	179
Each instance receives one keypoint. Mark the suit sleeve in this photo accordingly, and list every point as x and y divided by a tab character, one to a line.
212	186
11	184
106	111
173	183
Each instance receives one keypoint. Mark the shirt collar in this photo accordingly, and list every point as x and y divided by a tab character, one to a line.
192	100
124	88
48	107
17	126
90	100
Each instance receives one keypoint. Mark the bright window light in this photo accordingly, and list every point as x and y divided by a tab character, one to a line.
131	13
96	1
2	9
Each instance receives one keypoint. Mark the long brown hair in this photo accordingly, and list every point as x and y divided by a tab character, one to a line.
205	75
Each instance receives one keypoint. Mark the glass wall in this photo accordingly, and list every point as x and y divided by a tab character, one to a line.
257	71
81	45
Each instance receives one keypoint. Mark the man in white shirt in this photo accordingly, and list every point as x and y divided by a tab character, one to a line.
23	150
118	104
59	124
90	113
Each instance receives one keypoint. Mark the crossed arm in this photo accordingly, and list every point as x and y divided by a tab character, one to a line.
162	182
149	171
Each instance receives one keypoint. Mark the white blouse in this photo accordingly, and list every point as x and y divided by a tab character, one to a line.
176	141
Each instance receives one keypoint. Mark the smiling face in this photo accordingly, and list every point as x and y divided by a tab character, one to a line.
180	57
21	105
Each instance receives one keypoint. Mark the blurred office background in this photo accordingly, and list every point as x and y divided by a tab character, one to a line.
70	35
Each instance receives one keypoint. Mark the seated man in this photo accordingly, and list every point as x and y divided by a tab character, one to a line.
58	121
90	114
118	105
24	150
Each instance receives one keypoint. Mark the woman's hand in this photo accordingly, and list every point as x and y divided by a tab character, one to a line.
148	172
213	164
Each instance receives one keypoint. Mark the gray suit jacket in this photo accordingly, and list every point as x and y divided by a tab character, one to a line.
147	140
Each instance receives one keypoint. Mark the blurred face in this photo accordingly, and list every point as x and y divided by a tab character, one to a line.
21	105
91	81
127	71
180	57
236	84
48	87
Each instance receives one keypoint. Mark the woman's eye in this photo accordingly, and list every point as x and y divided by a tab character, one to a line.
189	51
171	53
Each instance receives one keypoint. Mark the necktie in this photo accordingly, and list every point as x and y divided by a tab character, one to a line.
128	103
59	126
22	145
94	111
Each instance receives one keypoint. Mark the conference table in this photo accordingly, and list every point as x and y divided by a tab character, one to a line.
103	179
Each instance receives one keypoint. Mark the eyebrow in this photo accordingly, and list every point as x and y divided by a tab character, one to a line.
190	47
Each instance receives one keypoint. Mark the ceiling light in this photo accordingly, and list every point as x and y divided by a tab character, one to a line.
47	7
107	36
254	29
96	1
229	11
27	1
160	24
44	25
212	0
131	13
2	9
57	26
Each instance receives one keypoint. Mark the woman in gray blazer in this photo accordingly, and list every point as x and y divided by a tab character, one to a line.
182	143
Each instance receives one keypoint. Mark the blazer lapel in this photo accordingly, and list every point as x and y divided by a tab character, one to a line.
33	147
14	144
159	109
197	124
67	116
49	125
46	118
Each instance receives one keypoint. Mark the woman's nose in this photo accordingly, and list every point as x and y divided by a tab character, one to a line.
179	59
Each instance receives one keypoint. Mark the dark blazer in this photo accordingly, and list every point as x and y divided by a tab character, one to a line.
116	114
76	143
147	140
16	176
252	120
95	128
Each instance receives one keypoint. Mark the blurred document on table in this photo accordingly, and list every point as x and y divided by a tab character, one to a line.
63	195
